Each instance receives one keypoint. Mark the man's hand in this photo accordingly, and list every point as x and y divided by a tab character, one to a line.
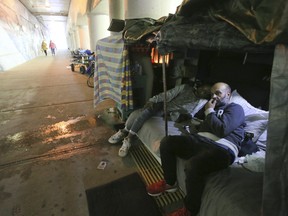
210	104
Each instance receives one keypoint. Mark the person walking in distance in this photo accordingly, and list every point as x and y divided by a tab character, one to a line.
44	47
52	46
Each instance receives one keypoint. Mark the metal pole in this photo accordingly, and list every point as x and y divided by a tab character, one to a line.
165	94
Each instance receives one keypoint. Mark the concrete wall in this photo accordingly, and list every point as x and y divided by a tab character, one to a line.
21	34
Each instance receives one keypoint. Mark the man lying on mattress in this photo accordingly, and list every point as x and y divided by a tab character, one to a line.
213	148
182	101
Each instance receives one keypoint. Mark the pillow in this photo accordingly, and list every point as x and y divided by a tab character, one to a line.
247	107
256	119
262	140
200	105
256	124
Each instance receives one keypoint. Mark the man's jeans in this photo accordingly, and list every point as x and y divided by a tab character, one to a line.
137	118
202	158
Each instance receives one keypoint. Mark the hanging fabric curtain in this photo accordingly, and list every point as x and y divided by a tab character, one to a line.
112	78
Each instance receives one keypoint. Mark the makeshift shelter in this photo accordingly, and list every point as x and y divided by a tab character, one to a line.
118	74
259	26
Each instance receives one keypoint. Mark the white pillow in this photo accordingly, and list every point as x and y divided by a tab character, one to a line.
262	140
200	105
248	108
256	119
256	124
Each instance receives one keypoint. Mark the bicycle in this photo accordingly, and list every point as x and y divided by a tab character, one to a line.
90	80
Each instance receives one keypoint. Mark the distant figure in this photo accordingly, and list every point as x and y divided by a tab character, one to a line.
52	46
44	47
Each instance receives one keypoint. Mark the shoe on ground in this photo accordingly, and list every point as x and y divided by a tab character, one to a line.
158	188
180	212
117	137
123	151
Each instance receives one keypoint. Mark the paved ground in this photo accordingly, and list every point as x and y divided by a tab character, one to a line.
51	140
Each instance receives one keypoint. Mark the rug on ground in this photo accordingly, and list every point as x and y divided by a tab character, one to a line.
126	196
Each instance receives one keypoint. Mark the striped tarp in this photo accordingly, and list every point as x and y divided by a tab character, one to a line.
112	77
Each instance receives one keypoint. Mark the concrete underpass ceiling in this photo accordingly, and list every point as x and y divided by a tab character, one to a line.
48	10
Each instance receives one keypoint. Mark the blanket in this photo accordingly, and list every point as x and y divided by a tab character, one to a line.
112	77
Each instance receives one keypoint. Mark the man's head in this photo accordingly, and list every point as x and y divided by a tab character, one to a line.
221	92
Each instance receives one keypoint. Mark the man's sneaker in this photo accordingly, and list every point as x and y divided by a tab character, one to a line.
180	212
158	188
123	151
117	137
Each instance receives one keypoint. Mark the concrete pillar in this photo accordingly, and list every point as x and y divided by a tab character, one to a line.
76	38
149	8
116	9
98	25
74	44
84	37
70	41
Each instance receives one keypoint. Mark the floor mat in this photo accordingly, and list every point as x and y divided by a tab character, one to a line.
151	171
126	196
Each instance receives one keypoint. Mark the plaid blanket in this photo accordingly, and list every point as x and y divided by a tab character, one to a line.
112	78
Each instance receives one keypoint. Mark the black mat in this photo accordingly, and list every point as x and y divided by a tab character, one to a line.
123	197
